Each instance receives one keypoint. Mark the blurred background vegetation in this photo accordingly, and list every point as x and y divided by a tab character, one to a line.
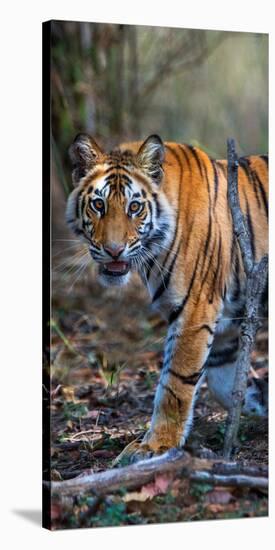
123	82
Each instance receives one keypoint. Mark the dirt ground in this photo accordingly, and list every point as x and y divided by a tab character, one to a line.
106	359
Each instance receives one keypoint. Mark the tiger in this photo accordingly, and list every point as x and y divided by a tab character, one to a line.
161	209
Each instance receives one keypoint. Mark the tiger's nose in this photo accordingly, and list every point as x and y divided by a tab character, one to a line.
114	250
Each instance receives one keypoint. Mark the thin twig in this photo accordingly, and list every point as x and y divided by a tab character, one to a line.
256	274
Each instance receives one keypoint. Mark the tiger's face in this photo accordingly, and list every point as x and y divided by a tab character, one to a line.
118	207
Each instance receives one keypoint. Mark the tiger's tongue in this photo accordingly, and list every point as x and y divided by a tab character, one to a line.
116	266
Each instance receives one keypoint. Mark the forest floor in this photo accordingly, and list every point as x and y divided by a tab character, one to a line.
106	359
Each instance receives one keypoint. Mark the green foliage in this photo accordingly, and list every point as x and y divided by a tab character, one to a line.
113	514
199	489
73	410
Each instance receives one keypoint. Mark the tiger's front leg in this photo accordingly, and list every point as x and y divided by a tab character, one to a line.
188	344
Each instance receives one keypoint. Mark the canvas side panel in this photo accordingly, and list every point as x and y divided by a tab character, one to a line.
46	258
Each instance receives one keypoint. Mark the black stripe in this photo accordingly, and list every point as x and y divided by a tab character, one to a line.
175	313
207	181
220	358
216	272
222	167
158	236
192	379
165	282
254	178
117	167
170	339
111	177
186	157
126	179
263	193
171	392
122	189
208	237
132	244
95	246
233	250
208	328
256	190
177	157
228	352
220	362
151	215
178	211
196	157
86	224
78	209
216	180
150	264
111	168
203	168
78	231
207	270
237	290
264	158
82	203
106	184
243	162
127	184
157	204
250	228
177	310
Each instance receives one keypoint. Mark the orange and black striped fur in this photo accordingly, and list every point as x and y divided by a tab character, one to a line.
162	210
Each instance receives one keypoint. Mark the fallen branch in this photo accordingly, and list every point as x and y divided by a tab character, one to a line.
231	480
174	461
256	274
232	468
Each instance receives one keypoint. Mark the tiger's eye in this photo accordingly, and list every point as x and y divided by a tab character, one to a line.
98	204
134	207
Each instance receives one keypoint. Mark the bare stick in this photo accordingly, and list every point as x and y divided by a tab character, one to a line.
175	461
256	274
231	480
239	225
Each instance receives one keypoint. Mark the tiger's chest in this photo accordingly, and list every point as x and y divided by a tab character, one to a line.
167	294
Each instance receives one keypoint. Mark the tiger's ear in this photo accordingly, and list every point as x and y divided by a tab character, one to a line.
151	156
84	154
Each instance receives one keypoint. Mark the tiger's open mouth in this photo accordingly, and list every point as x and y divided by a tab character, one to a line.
115	269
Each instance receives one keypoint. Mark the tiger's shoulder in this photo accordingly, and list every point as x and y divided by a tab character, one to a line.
192	159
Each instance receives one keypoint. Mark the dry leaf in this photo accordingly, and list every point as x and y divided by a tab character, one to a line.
93	414
135	495
219	496
56	511
149	491
68	393
56	476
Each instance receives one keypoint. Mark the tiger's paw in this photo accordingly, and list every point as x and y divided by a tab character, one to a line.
150	446
134	452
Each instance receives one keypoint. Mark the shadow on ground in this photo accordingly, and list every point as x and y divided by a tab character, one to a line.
34	516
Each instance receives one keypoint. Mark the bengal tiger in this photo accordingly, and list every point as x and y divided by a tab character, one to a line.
161	209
